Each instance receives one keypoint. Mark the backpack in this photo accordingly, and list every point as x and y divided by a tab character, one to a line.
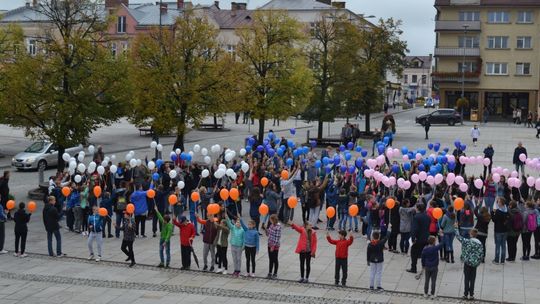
121	204
532	222
517	222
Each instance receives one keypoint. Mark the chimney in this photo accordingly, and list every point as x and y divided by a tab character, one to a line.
238	6
163	8
216	4
180	4
329	2
340	4
115	3
27	4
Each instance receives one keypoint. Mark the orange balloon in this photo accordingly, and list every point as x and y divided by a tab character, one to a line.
284	174
213	209
292	202
353	210
224	194
437	213
103	212
195	196
330	212
390	203
32	206
264	181
459	203
263	209
10	204
173	199
234	194
151	193
66	191
130	208
97	191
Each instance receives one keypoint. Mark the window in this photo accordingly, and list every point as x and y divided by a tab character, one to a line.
125	47
32	47
405	78
469	42
414	79
313	29
468	66
469	16
114	50
525	17
523	68
424	79
121	26
498	17
496	68
524	42
497	42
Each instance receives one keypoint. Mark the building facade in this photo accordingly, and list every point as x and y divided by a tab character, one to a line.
488	52
416	78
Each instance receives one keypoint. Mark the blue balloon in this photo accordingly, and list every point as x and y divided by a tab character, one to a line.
337	160
343	168
155	176
444	160
404	150
280	152
430	146
358	149
260	148
422	151
295	153
290	143
351	169
350	145
426	162
289	162
325	161
304	161
248	149
271	135
251	141
395	168
380	149
386	140
348	156
364	153
457	143
328	169
359	162
159	163
451	166
277	141
463	147
421	167
446	150
183	156
306	150
317	164
433	171
313	143
271	152
293	131
188	157
174	157
265	142
436	147
341	148
407	166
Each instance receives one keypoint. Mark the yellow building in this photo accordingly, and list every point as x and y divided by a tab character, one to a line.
488	51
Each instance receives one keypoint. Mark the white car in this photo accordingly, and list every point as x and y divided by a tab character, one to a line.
40	154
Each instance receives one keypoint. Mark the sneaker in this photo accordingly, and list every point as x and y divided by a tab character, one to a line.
143	236
167	265
24	255
535	257
371	287
110	236
471	298
465	297
411	270
224	272
248	275
426	295
205	268
433	297
16	254
524	258
3	251
132	264
160	265
61	255
91	256
98	258
219	270
269	276
301	280
154	234
380	288
495	262
306	280
274	276
252	275
211	269
336	283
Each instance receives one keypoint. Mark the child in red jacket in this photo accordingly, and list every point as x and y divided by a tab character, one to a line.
187	234
342	252
305	248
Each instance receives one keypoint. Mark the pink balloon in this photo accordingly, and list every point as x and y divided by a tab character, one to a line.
367	173
451	158
415	178
405	157
514	174
506	172
478	183
406	185
450	178
463	187
438	178
517	183
530	181
479	159
422	175
522	157
390	153
463	160
459	180
380	160
496	177
510	182
418	156
396	152
537	184
486	161
400	182
392	180
430	180
371	163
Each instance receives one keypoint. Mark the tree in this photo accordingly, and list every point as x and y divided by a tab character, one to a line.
178	74
276	80
72	85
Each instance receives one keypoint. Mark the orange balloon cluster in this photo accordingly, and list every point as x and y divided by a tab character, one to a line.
151	193
234	194
263	209
130	208
264	181
353	210
195	196
32	206
224	194
437	213
213	209
97	191
292	202
390	203
10	204
173	199
103	212
284	174
459	203
330	212
66	191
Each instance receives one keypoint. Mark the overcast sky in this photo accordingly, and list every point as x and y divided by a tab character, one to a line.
417	16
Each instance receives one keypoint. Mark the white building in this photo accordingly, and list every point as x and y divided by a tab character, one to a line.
416	80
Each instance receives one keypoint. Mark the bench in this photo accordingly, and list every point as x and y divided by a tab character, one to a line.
211	126
334	142
145	131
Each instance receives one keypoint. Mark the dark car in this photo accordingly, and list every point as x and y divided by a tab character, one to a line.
441	116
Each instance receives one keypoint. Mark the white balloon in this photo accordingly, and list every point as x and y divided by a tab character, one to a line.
132	162
100	170
72	165
113	169
228	157
204	151
139	162
172	153
106	159
181	185
216	174
153	145
159	147
172	174
132	152
82	153
72	159
80	157
113	157
71	171
229	172
65	157
151	165
178	151
81	168
242	152
221	173
245	167
128	157
92	165
222	167
196	148
191	154
205	173
77	178
91	149
233	176
207	160
91	169
104	163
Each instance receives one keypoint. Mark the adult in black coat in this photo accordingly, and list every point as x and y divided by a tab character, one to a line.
516	161
419	234
50	220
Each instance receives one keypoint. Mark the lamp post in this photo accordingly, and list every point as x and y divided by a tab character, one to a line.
465	26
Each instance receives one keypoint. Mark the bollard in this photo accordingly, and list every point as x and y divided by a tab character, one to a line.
41	175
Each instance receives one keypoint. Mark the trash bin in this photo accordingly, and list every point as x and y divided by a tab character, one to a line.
474	115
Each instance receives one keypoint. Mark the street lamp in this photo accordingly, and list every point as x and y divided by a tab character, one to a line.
465	26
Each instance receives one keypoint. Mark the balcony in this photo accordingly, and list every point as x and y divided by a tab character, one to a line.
456	77
457	26
456	52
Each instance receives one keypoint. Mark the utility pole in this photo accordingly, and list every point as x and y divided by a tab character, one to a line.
465	26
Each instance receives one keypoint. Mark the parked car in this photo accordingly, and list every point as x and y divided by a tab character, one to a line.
41	154
441	116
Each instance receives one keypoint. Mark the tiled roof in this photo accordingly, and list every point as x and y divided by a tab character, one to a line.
426	61
493	3
296	5
23	14
149	14
227	19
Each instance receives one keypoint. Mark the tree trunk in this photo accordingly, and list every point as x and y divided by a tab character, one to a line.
181	129
320	129
261	129
215	121
368	119
61	162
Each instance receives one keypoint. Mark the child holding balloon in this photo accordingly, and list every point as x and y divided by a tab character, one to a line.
95	225
21	219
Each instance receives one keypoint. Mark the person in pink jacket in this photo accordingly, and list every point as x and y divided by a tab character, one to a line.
306	248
